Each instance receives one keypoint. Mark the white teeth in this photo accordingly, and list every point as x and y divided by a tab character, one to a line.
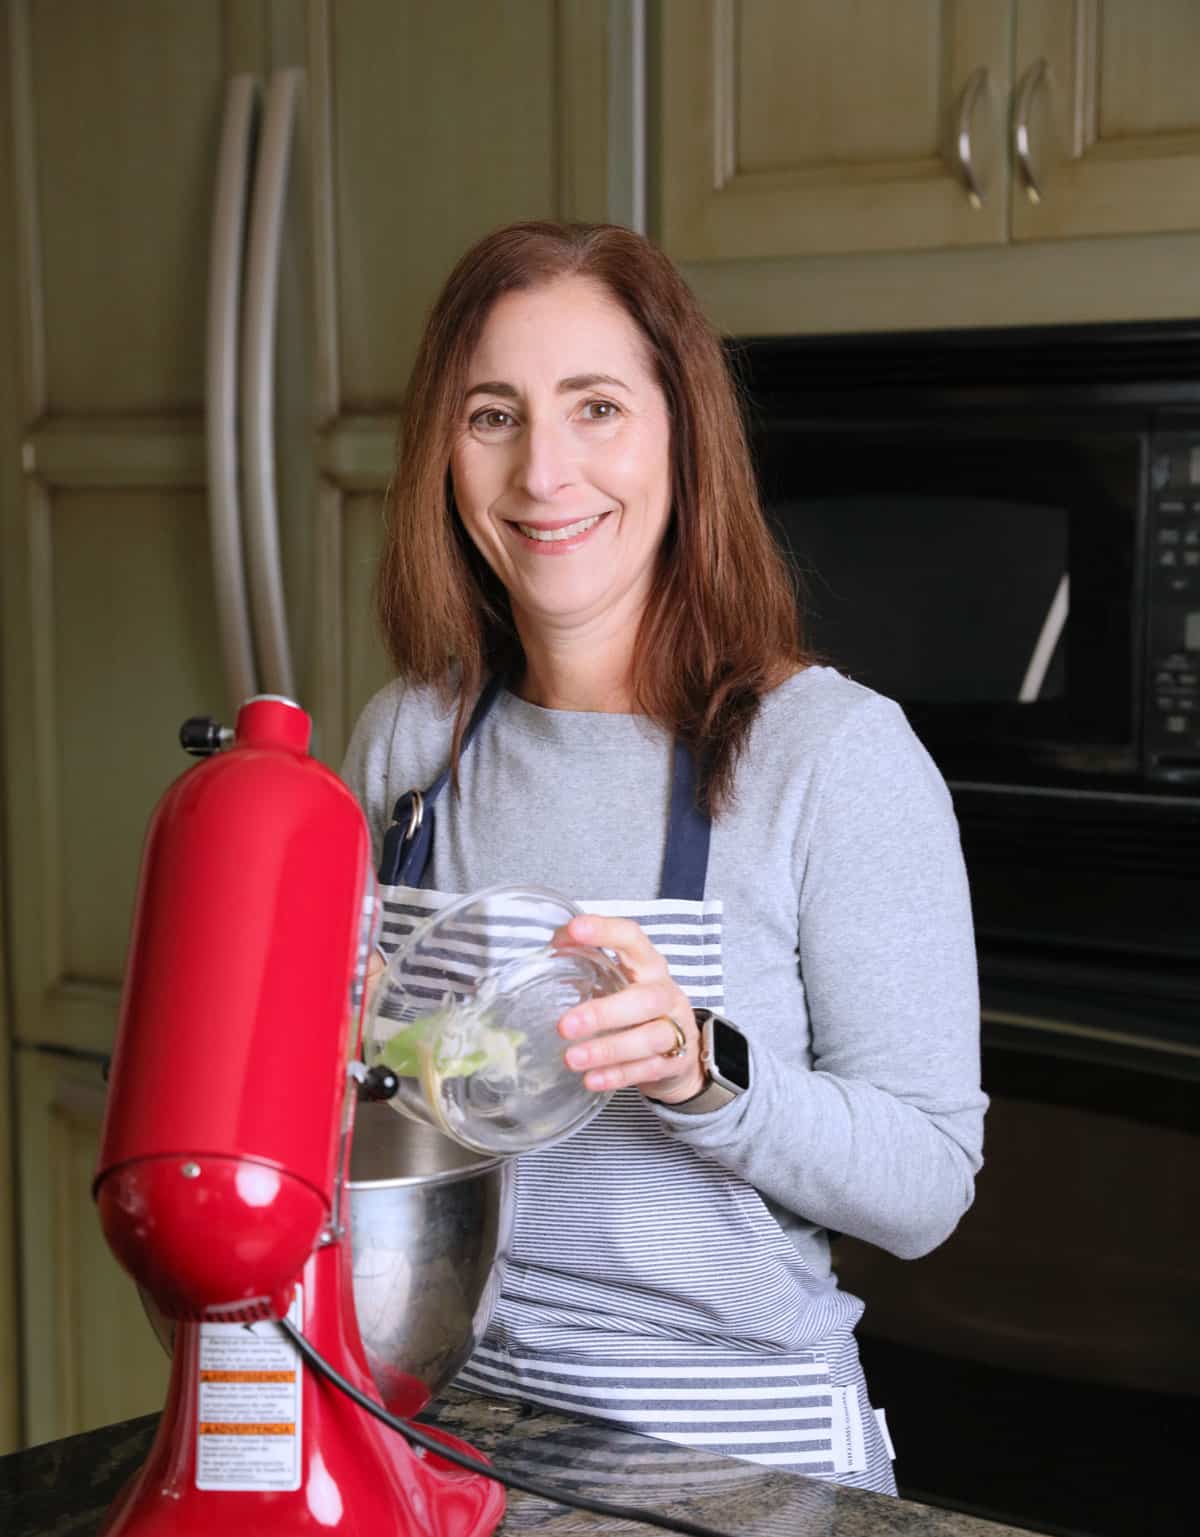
550	535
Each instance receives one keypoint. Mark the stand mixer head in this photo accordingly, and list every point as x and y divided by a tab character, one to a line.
223	1158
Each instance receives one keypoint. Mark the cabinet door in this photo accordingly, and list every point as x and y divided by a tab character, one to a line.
10	1344
1107	115
793	127
112	121
108	143
91	1358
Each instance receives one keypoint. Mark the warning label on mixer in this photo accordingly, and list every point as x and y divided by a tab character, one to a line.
248	1406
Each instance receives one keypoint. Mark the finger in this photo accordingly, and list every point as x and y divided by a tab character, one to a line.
376	966
653	1038
658	1072
622	936
633	1005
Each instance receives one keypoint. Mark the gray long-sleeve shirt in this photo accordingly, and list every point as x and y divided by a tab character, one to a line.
848	947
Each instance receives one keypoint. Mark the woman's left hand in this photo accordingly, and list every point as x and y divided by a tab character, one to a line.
646	1034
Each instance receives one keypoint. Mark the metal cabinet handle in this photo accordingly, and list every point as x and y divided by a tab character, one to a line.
973	175
220	416
1025	151
258	384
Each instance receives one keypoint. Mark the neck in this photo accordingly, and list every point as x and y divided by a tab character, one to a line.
578	670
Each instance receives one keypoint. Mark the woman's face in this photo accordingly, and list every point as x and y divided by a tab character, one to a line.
561	458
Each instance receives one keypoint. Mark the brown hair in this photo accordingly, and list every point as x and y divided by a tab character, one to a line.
721	625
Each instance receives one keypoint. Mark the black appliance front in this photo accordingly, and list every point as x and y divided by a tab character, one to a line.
988	579
1001	530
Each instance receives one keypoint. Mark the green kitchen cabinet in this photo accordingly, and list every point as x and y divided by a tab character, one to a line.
899	164
10	1335
409	130
91	1357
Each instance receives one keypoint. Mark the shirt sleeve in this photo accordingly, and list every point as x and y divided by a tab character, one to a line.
882	1136
365	767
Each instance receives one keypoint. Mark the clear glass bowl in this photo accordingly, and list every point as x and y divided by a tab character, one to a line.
466	1013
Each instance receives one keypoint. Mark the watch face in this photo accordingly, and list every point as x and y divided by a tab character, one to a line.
731	1054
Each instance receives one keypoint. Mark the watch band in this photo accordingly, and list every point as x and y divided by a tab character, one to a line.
714	1095
711	1097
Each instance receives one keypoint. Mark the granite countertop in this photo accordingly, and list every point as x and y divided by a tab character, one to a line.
64	1487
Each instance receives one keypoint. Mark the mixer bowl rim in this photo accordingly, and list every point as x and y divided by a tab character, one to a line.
439	1177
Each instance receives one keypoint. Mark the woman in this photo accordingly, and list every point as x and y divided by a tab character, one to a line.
596	643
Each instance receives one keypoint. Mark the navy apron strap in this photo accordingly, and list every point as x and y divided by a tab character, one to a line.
685	862
408	840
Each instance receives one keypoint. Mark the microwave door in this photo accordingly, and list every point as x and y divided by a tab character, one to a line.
986	583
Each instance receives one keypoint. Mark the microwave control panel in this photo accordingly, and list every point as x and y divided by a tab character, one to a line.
1172	692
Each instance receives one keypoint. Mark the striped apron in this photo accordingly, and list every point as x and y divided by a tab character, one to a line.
647	1285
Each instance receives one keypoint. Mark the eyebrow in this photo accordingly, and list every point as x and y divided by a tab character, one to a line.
564	387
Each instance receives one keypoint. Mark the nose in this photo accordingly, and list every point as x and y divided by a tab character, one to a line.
545	463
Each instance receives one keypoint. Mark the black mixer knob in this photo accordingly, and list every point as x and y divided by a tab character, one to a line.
202	736
378	1082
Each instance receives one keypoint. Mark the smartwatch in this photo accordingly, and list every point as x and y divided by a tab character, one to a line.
725	1058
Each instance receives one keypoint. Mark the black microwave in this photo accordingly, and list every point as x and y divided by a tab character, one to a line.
1000	529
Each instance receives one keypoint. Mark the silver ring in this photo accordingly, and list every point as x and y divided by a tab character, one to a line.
681	1041
416	815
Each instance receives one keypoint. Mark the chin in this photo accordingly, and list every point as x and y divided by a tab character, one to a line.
563	604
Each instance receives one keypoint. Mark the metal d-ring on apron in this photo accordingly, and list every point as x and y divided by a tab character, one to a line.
646	1284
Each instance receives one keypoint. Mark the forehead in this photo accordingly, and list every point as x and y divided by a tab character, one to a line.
571	325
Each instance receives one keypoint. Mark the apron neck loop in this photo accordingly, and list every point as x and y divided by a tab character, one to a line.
408	840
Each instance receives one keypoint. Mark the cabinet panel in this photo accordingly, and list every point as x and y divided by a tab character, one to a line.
1107	89
91	1358
122	103
794	129
1052	282
109	632
367	666
10	1371
10	1315
130	575
836	85
1146	74
443	125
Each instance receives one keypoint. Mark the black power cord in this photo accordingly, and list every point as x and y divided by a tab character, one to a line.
527	1486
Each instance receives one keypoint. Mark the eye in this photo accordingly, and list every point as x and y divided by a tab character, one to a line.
492	419
601	411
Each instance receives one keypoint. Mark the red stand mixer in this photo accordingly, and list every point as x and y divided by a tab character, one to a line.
224	1156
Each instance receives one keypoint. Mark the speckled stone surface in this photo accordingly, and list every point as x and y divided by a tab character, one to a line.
64	1487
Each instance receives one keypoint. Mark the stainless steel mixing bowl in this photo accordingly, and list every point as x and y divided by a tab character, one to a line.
429	1231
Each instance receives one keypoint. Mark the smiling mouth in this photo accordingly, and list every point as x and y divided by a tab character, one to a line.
560	533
